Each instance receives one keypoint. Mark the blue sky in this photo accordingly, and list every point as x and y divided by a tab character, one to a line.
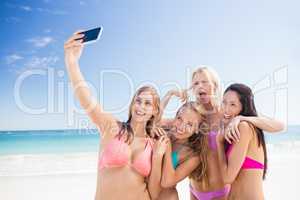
157	42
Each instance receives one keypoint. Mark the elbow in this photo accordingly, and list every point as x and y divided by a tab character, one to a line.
282	127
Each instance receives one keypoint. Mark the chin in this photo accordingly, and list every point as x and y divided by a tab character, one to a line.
205	100
181	137
226	121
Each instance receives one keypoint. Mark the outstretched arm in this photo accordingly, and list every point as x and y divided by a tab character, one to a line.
263	122
73	49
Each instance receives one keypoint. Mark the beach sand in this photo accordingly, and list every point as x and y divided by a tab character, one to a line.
283	178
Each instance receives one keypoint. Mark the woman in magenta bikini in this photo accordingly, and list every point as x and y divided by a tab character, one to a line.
244	163
129	158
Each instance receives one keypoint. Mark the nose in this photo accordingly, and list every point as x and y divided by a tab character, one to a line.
181	127
200	85
226	109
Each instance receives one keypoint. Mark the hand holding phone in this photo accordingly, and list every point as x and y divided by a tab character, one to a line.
91	35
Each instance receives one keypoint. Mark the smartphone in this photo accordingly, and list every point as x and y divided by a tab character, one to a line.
91	35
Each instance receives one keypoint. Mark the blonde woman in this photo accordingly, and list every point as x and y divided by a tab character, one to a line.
186	154
129	159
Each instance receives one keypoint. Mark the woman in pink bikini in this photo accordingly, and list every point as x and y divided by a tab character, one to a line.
129	159
206	89
245	162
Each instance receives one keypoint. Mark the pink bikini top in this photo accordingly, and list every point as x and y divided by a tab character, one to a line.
248	163
117	154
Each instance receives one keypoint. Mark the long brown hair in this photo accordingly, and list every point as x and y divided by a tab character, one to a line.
126	129
198	142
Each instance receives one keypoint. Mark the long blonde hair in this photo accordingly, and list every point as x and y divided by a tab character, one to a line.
150	124
213	77
198	142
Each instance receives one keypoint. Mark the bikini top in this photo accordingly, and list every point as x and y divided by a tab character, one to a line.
117	154
248	163
175	159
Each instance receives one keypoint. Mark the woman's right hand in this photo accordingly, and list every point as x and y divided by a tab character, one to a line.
73	48
181	94
162	143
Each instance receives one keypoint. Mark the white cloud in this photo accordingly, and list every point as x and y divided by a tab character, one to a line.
10	59
41	62
36	62
12	19
53	12
26	8
41	41
39	9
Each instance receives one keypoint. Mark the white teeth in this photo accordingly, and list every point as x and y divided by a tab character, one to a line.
226	116
140	113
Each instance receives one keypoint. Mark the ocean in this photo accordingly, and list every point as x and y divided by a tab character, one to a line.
44	152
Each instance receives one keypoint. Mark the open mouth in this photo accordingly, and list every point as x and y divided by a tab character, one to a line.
202	94
139	113
227	116
178	132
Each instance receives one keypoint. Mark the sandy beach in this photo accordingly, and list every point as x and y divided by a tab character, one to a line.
281	183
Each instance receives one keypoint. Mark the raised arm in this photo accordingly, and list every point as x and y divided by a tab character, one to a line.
73	49
164	102
231	166
263	122
171	176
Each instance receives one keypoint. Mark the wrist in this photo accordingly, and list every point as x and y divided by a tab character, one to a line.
71	62
72	65
170	93
244	118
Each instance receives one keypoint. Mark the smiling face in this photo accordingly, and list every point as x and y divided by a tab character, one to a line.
231	106
144	106
203	87
186	123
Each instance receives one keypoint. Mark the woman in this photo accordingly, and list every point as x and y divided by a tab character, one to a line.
245	162
206	89
128	162
186	154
